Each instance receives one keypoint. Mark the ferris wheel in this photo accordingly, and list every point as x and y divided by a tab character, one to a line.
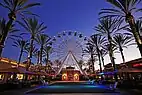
68	48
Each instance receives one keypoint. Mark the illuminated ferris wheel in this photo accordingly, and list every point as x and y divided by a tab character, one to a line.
68	47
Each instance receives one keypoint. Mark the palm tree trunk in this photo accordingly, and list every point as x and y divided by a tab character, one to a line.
111	55
4	36
47	56
122	55
102	58
31	47
103	61
99	60
20	56
135	32
38	55
99	57
41	50
92	59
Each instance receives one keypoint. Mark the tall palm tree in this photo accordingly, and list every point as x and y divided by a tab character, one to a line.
98	42
35	51
125	9
81	63
122	41
139	27
33	27
107	27
11	34
22	44
103	52
46	51
42	40
14	7
90	50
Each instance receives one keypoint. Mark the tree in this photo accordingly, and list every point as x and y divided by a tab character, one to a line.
107	27
103	52
139	27
33	27
42	40
14	7
35	51
125	9
12	30
90	50
98	42
22	44
81	63
46	51
122	41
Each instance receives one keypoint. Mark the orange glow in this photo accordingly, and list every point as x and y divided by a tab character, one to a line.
15	63
76	77
6	60
64	76
3	60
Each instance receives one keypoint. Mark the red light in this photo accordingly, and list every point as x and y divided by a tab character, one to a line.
137	65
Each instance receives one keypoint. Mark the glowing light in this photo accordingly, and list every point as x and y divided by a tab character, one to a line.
3	60
137	65
12	62
1	76
64	76
20	76
76	76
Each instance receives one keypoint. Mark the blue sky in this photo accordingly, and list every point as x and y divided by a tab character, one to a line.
60	15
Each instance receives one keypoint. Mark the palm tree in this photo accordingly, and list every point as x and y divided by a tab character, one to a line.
22	44
35	52
107	27
98	42
122	41
103	52
11	34
42	40
33	27
90	50
14	7
125	9
81	63
46	51
139	27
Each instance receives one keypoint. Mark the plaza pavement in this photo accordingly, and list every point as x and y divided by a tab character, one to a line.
70	88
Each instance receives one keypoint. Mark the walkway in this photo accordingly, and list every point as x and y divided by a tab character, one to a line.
68	88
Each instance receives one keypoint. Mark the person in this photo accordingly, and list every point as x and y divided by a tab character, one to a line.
113	86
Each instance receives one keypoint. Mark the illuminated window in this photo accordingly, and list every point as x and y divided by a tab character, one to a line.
64	76
1	76
76	77
20	76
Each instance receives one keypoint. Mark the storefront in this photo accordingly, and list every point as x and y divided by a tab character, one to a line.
69	74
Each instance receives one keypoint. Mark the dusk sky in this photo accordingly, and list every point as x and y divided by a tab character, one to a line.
60	15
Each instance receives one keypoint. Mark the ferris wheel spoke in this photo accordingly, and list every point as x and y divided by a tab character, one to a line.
66	42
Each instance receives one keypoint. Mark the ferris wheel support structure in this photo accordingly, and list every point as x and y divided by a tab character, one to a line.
72	55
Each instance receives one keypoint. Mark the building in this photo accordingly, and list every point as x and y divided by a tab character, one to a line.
70	74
